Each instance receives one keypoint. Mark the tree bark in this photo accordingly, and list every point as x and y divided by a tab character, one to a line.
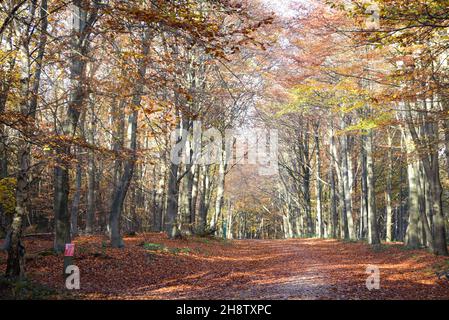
432	170
319	214
333	193
349	225
82	25
91	172
412	238
388	192
364	193
76	197
220	191
204	205
121	190
373	233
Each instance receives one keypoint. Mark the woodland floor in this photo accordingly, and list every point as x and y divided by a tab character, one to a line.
199	268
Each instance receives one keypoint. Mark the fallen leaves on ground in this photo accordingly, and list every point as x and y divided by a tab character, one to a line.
153	267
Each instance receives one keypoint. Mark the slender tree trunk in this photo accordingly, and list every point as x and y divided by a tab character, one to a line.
120	192
346	187
186	198
220	190
204	207
319	214
82	25
433	170
333	205
440	244
364	192
15	264
91	172
118	146
194	194
158	205
76	197
303	159
426	236
388	192
373	233
342	225
172	201
229	222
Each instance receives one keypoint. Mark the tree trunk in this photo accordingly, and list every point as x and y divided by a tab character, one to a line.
220	190
82	25
172	201
91	172
412	238
349	225
204	206
158	205
320	225
373	234
364	193
388	192
432	170
121	190
333	205
76	197
426	236
15	265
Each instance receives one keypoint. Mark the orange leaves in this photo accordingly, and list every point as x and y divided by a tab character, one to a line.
262	269
152	109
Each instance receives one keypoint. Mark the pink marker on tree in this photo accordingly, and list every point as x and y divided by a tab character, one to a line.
69	250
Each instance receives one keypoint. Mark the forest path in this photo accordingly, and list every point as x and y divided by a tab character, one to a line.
292	271
310	269
198	268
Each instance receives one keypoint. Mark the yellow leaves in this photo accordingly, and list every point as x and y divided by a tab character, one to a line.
7	56
343	96
10	74
366	124
132	55
8	195
371	123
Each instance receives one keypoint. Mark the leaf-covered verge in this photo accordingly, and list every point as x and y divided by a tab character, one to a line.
29	290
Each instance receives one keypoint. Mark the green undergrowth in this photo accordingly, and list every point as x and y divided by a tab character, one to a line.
211	240
156	247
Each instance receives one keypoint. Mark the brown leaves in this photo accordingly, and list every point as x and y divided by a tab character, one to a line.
199	268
